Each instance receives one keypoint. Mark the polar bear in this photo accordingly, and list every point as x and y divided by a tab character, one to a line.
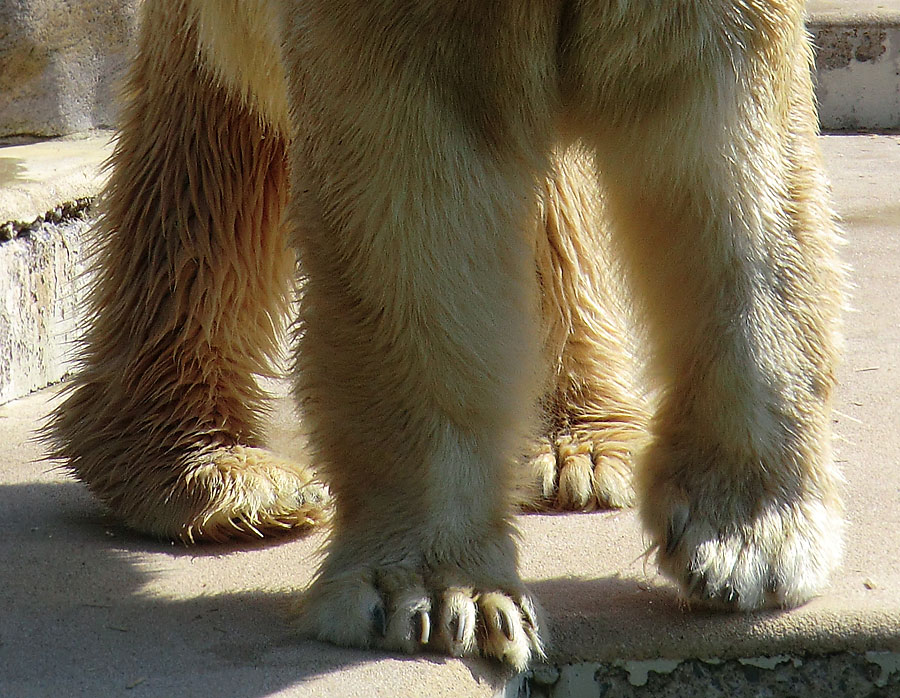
445	172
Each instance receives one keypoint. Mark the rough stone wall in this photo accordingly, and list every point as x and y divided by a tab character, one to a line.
60	61
845	674
42	274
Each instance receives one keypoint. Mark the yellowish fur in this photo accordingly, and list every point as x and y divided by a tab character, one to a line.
165	420
596	419
450	166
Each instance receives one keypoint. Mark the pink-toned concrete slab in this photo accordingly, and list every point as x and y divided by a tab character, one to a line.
87	608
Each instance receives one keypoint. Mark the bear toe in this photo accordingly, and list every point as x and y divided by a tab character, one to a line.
581	474
391	609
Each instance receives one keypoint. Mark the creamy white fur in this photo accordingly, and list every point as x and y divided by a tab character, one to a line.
451	164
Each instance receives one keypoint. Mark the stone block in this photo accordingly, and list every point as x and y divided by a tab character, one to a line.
60	63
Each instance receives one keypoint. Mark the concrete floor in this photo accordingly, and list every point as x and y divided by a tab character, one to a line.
89	609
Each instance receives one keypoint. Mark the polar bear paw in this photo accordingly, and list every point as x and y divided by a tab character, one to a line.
400	608
583	472
776	552
229	492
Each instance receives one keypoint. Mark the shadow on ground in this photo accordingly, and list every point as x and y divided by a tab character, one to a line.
90	608
82	611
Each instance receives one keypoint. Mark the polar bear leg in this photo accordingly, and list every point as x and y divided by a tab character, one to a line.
418	352
192	275
715	183
594	420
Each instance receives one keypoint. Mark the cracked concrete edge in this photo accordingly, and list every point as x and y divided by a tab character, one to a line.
36	176
875	674
861	20
44	191
849	12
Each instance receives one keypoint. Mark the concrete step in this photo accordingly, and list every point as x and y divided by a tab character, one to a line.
45	188
857	63
89	609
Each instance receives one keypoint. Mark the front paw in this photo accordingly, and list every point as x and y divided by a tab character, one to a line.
402	608
745	546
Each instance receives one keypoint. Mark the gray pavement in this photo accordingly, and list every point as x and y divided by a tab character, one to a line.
89	609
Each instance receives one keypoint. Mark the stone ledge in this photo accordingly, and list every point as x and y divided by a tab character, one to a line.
871	674
39	304
857	70
35	177
45	189
854	11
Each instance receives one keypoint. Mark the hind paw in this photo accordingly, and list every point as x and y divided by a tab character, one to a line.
582	473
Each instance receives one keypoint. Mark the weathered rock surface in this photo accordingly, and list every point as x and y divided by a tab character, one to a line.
60	62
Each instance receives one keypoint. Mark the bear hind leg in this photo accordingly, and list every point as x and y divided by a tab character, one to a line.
192	273
595	422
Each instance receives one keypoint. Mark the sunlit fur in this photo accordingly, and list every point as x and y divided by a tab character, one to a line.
460	296
164	421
